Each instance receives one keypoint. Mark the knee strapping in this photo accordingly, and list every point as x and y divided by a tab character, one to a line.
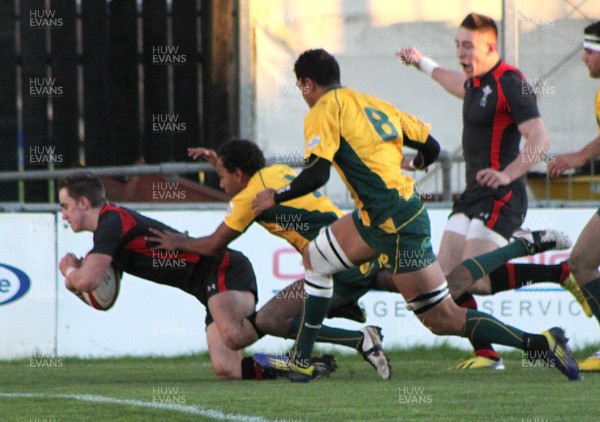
426	301
318	284
326	255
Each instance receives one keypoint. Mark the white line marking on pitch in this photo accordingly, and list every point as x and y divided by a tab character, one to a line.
194	410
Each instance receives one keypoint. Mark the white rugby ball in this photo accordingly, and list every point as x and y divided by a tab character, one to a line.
104	296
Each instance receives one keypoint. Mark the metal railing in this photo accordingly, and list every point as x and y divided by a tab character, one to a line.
165	169
444	179
439	177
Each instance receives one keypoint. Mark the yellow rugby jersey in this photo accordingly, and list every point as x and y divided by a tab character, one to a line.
298	221
597	105
363	137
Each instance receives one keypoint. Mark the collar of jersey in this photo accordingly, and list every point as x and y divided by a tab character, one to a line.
332	87
477	80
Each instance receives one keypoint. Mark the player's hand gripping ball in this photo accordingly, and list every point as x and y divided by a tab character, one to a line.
104	296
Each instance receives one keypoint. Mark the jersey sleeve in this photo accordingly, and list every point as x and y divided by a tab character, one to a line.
239	212
413	129
322	131
520	97
108	234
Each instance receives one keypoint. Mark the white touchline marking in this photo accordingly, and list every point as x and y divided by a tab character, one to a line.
194	410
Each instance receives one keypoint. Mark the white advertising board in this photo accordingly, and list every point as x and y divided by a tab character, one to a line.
27	285
151	319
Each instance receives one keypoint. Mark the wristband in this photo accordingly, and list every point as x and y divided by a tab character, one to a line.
427	65
69	271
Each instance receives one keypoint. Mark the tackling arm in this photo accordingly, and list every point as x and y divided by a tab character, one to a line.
206	245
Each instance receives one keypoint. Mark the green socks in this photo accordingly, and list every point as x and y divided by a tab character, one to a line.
483	328
350	338
488	262
314	311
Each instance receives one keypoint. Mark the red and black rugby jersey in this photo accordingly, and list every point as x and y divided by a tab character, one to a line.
120	234
494	105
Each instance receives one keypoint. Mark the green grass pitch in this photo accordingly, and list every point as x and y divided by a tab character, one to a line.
184	389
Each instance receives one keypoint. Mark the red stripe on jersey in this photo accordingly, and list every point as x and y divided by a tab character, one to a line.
498	204
190	257
511	276
127	220
223	266
501	117
138	244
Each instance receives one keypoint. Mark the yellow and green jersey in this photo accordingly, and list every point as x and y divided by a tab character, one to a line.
298	221
363	137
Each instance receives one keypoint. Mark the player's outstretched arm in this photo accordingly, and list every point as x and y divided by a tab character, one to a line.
558	165
452	81
86	275
208	245
208	154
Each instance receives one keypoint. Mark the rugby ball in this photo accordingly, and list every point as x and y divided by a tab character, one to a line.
104	296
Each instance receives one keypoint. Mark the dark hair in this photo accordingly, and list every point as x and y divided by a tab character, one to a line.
481	23
84	184
593	29
241	154
318	65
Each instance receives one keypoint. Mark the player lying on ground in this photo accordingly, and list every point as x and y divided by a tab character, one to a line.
224	282
363	136
241	167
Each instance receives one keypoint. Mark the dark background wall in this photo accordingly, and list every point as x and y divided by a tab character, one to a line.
113	83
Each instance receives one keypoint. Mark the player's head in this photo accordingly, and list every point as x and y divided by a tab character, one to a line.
79	194
316	70
591	49
237	162
477	44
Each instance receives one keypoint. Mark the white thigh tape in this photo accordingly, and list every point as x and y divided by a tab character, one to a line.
317	284
428	300
326	256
